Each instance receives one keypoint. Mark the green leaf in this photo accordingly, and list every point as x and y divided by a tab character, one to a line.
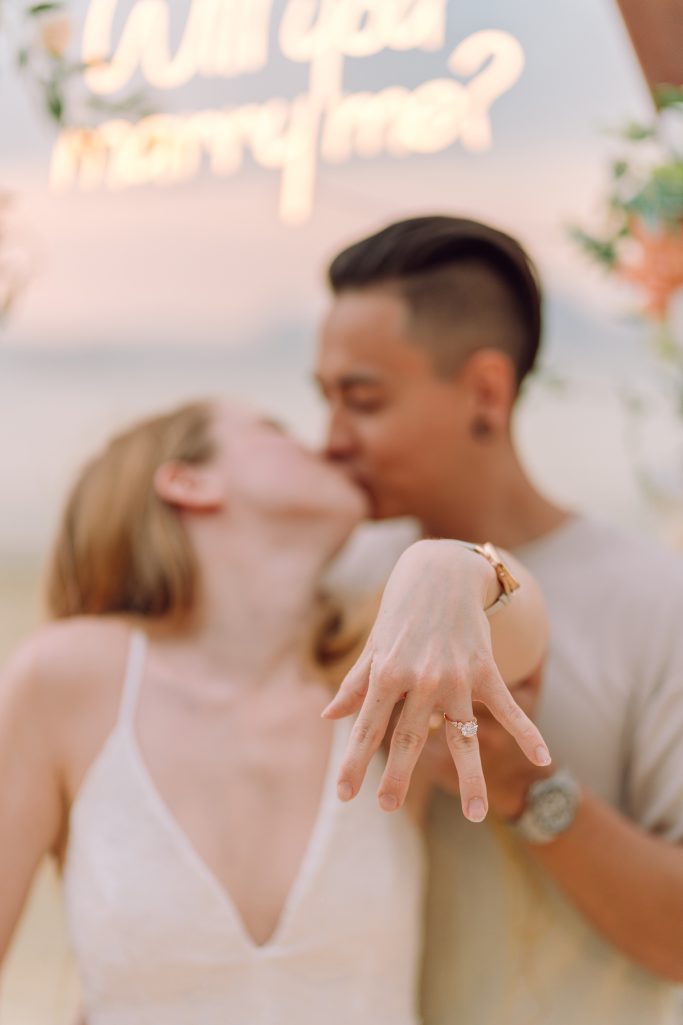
619	169
23	57
54	101
135	102
670	176
635	132
668	96
660	200
44	8
618	205
602	250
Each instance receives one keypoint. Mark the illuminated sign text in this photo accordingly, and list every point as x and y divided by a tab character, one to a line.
229	38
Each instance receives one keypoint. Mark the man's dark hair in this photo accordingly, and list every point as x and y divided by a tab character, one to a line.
467	286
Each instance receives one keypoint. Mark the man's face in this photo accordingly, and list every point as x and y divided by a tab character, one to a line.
398	428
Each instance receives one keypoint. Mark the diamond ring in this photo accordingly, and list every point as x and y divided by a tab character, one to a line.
468	729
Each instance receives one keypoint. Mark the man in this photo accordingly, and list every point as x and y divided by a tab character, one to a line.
570	909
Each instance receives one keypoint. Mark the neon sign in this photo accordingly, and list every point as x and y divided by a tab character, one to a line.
229	38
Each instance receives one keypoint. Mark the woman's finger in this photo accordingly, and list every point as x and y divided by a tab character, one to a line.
464	747
499	700
352	690
407	742
366	737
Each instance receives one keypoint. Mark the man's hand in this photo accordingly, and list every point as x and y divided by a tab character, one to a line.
431	647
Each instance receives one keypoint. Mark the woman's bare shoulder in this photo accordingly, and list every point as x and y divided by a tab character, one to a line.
64	657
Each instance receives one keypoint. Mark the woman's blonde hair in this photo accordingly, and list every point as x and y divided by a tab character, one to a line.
120	547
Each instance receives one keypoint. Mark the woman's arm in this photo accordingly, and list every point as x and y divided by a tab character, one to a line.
31	805
434	646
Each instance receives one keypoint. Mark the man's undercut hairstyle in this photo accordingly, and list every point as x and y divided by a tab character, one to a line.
467	286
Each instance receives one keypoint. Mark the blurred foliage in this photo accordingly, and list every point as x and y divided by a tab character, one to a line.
39	38
642	236
641	242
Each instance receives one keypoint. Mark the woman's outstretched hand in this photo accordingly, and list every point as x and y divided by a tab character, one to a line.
431	648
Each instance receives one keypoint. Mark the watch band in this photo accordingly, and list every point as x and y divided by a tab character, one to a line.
505	578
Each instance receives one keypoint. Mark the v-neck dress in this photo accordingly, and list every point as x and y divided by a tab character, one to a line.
159	941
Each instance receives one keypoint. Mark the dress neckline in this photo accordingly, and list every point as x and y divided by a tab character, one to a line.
186	848
123	738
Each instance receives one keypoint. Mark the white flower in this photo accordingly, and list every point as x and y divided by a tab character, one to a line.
671	129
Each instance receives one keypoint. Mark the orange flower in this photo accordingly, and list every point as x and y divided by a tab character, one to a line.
659	272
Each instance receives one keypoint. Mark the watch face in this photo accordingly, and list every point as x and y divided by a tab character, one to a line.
554	809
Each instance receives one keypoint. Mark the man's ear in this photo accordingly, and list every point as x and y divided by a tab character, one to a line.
490	379
195	487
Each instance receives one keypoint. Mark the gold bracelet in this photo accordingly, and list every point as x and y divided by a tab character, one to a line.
505	578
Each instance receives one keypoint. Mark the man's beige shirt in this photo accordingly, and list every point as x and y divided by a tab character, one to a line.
503	946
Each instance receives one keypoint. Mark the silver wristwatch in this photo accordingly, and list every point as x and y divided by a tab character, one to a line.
550	809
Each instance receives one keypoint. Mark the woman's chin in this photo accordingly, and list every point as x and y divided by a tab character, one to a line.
348	497
360	502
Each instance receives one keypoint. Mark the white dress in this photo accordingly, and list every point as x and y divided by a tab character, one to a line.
159	941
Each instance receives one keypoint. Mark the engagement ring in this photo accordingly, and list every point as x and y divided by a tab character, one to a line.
468	729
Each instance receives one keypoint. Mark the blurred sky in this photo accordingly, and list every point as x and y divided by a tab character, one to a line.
149	295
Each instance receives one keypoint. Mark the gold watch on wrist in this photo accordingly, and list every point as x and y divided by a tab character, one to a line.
506	580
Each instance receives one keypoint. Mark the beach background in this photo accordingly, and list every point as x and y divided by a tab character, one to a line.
144	297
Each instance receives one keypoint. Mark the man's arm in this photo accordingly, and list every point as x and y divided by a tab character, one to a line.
628	884
623	867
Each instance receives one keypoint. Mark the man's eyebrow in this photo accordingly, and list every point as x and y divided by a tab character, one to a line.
352	380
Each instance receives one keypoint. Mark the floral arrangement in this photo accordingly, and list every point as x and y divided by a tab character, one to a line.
643	238
642	244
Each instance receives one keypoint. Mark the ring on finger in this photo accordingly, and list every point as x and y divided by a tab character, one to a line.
469	728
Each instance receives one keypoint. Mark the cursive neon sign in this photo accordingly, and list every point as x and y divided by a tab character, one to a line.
229	38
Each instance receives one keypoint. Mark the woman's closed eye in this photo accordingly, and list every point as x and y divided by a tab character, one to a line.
274	425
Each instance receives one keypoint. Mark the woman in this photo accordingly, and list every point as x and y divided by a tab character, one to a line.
164	740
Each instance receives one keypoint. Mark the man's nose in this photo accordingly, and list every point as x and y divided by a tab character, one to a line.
340	443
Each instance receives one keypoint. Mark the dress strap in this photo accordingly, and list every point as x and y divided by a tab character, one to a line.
137	649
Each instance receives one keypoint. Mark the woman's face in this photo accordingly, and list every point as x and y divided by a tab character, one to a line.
266	469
